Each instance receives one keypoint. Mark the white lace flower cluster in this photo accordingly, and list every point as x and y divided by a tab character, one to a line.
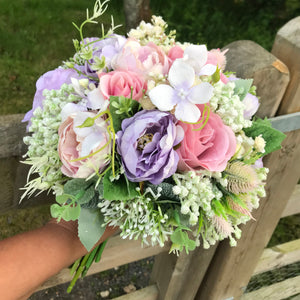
196	191
137	219
155	32
42	151
228	106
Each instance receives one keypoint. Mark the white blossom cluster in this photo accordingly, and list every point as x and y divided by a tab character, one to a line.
137	219
228	106
154	32
42	151
196	191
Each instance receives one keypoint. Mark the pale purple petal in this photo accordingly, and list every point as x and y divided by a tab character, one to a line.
95	99
179	135
187	112
79	120
208	70
69	109
201	93
181	75
163	97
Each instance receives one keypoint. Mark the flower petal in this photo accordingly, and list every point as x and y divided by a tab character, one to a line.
196	56
208	70
201	93
69	109
187	112
90	143
163	97
95	99
181	75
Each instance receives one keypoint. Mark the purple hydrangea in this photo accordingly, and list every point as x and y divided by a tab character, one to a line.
108	48
146	144
52	80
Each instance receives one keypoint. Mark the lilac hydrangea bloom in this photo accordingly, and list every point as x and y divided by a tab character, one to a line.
52	80
108	48
181	93
146	143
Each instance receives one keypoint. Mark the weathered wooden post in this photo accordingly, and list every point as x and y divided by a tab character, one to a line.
287	48
232	268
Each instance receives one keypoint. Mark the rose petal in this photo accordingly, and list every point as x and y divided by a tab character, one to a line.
69	109
92	141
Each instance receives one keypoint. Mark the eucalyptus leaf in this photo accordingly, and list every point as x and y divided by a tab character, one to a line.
90	227
242	87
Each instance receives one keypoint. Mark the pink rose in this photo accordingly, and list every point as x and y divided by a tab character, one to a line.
209	148
120	83
175	52
77	142
142	59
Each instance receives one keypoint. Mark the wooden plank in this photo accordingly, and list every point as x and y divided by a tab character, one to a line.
116	253
173	276
278	256
286	123
287	48
249	60
277	291
12	131
232	267
147	293
293	205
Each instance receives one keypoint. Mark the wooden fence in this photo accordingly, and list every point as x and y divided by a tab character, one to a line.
222	272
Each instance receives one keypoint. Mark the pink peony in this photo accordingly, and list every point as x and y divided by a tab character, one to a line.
122	83
77	142
142	59
209	148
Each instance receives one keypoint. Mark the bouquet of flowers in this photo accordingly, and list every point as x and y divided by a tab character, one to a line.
150	135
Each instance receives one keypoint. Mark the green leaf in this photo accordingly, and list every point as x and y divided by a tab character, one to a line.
90	227
61	199
216	76
75	185
56	211
71	213
120	189
120	109
242	87
89	122
67	212
273	137
166	192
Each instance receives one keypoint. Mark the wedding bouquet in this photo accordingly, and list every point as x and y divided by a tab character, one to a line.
150	135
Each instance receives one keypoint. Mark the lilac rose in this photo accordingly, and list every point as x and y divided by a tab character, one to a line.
146	144
108	48
52	80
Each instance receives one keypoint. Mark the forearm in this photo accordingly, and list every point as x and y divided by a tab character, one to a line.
29	259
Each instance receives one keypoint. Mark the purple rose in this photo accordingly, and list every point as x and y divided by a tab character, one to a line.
52	80
146	143
108	48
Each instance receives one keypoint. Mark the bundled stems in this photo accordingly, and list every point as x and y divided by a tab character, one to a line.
83	264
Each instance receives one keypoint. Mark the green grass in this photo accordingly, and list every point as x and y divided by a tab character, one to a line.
35	37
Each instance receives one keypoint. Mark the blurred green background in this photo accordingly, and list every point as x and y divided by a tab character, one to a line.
36	36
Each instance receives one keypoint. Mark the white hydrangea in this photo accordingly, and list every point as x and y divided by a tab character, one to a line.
42	152
228	106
